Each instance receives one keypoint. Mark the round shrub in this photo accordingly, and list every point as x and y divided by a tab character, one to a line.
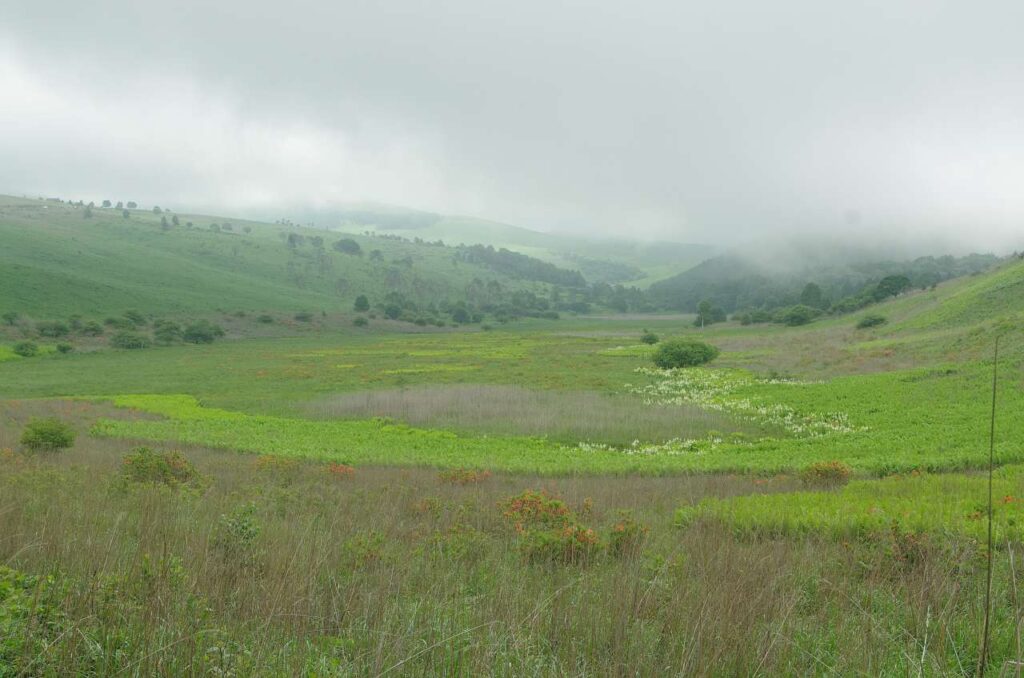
683	353
65	348
144	465
649	338
871	320
91	329
202	332
52	329
795	316
26	349
360	322
49	434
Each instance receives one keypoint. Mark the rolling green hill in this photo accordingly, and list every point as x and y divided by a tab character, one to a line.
55	261
613	261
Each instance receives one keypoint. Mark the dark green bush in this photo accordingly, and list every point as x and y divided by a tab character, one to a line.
304	317
26	349
65	348
202	332
135	318
649	337
683	353
796	315
265	319
129	340
91	329
166	331
48	434
360	322
53	329
871	320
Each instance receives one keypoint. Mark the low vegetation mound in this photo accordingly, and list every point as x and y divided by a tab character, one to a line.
683	353
871	320
826	474
47	435
144	465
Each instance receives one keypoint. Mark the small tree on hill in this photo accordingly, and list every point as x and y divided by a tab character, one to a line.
891	286
362	303
106	203
649	337
202	332
812	296
132	204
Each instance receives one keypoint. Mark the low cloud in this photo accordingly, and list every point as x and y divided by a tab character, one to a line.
722	122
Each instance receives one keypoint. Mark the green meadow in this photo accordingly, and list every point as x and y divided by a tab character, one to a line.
520	497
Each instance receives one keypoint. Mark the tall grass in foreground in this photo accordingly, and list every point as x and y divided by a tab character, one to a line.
278	567
563	416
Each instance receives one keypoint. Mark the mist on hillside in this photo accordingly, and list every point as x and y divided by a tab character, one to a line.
721	123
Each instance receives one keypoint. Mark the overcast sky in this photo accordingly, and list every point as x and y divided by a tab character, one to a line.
716	121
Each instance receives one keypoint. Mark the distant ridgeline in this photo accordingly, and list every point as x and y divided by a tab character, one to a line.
62	259
752	293
519	265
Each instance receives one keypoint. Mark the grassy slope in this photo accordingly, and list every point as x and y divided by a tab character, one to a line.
656	260
56	260
922	406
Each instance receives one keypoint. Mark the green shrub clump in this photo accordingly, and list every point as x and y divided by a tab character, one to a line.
360	322
202	332
826	474
871	320
683	353
48	435
627	536
143	465
26	349
794	316
53	329
65	348
129	340
649	338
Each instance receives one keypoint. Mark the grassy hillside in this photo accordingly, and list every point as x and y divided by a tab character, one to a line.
613	261
320	480
55	262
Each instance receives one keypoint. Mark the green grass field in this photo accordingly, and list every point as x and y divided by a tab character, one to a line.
356	480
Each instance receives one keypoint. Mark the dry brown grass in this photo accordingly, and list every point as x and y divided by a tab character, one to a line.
566	416
396	572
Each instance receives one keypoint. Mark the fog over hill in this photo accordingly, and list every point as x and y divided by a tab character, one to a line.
717	123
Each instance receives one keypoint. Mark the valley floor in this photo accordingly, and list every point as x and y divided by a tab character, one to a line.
532	500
